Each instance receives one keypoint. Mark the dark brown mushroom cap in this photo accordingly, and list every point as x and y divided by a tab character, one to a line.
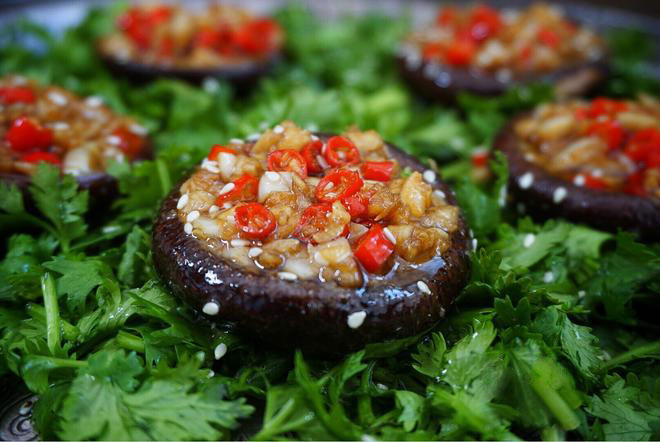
304	313
602	209
441	82
242	74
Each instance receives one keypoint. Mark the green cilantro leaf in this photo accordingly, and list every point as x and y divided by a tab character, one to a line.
59	200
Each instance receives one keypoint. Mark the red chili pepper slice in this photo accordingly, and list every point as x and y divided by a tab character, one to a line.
287	160
433	50
25	134
525	53
255	221
373	249
610	131
356	205
139	24
245	189
484	22
220	40
447	15
592	182
341	151
133	24
480	158
16	94
314	219
166	46
310	153
338	184
37	157
257	36
217	149
653	160
130	143
460	52
606	106
159	14
548	37
642	144
377	170
635	184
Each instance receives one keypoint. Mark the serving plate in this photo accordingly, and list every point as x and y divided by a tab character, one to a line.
16	401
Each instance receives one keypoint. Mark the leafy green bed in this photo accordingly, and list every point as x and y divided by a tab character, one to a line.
557	340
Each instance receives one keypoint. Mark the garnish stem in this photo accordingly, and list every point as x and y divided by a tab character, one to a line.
647	350
130	342
53	331
557	406
163	176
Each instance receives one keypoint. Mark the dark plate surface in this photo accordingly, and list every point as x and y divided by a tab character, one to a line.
15	401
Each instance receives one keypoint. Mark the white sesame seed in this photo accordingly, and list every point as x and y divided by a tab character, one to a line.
220	351
559	194
60	125
192	216
213	209
529	240
548	277
423	287
439	194
526	180
287	276
579	180
188	228
254	252
211	374
314	137
211	308
389	235
94	101
239	243
236	141
581	293
474	243
57	98
182	201
114	140
137	129
381	386
253	137
278	129
429	176
356	319
227	188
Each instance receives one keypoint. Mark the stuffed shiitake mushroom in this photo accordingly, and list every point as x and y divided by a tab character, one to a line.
323	242
80	135
175	41
484	51
595	162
